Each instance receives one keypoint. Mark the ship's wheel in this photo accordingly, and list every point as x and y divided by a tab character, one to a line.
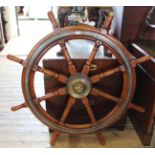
79	85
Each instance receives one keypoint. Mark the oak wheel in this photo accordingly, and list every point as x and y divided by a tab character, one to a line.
79	85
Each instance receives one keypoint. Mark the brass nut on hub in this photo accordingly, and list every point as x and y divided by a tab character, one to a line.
78	85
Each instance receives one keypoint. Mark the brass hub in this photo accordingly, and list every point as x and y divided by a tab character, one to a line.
78	85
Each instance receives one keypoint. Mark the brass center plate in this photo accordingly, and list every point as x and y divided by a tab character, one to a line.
78	85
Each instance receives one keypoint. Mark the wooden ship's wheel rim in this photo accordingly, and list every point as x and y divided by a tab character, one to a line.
59	37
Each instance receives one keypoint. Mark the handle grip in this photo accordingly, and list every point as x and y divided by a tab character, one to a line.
136	108
18	107
14	58
108	21
54	22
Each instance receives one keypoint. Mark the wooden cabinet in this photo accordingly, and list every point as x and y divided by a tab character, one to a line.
132	23
144	95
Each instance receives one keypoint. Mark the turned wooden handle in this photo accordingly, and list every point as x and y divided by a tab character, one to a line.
101	137
54	22
140	60
108	21
136	108
18	107
14	58
54	137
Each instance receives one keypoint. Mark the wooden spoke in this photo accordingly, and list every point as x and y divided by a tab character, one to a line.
101	137
59	92
108	96
54	22
68	108
100	76
16	59
71	66
60	77
54	137
89	110
20	106
107	22
136	108
97	92
140	60
85	69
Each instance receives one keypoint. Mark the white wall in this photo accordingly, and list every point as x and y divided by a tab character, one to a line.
11	26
